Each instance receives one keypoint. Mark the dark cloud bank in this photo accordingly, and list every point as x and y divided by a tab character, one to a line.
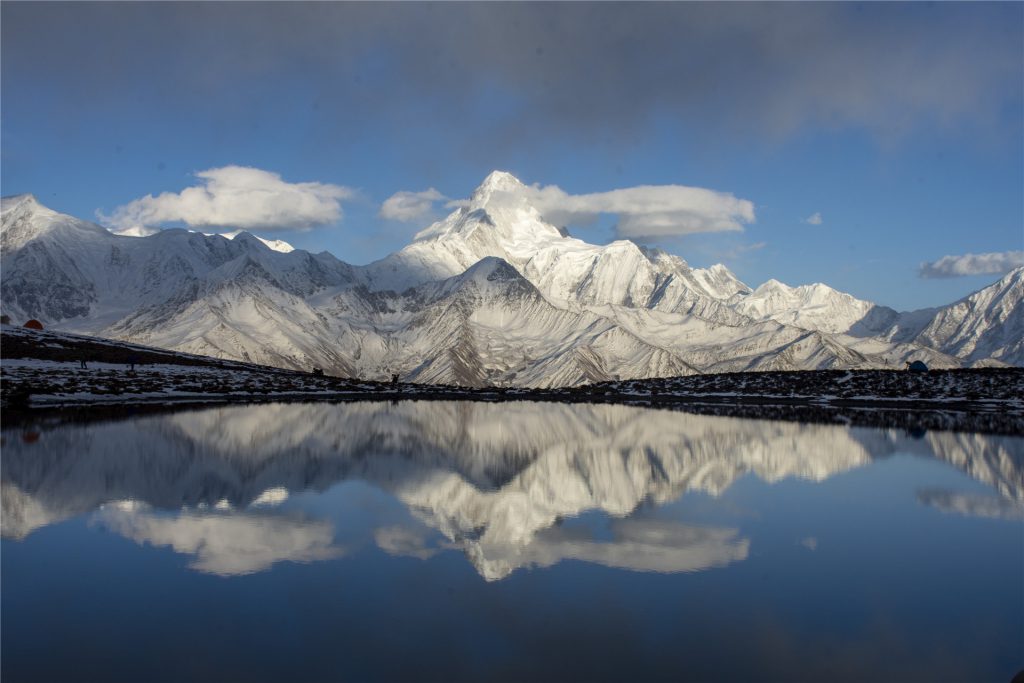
601	69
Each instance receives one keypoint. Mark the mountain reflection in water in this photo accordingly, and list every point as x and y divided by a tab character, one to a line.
496	481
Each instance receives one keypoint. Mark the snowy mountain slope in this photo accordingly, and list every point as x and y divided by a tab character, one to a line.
988	324
239	311
812	307
276	245
491	295
41	276
724	348
500	328
485	326
489	325
765	344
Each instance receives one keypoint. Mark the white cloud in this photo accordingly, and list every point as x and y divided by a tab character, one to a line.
646	210
408	206
972	264
236	197
814	218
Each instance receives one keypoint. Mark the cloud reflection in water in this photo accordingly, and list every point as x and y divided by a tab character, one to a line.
493	481
225	544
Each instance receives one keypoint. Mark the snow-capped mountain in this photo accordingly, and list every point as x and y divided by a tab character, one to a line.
492	294
57	268
813	307
499	221
988	324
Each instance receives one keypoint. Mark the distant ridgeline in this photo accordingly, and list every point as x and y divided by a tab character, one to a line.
491	295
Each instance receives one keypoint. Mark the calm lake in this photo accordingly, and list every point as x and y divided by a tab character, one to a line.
515	541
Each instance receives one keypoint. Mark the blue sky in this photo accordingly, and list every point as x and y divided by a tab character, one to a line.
902	125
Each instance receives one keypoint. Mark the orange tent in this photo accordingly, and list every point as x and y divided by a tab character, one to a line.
34	324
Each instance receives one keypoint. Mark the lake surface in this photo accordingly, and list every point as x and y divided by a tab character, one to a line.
516	541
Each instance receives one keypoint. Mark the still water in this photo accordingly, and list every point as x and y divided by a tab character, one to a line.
518	541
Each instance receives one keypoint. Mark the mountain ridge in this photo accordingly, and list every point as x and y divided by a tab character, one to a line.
559	311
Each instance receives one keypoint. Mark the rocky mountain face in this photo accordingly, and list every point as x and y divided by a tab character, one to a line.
492	294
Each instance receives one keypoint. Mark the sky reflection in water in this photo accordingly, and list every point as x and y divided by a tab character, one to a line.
602	542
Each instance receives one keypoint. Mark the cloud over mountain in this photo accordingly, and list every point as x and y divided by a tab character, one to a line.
236	197
646	210
972	264
408	206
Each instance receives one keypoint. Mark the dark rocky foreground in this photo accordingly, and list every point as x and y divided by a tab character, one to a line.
42	379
